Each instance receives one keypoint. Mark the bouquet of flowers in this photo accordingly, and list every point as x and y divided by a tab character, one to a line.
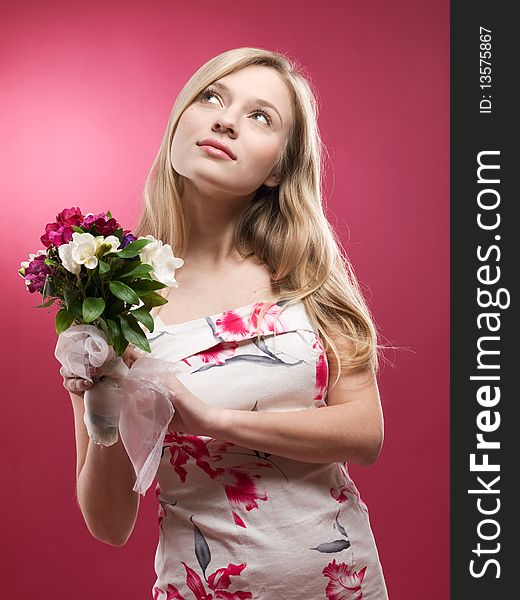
102	275
105	281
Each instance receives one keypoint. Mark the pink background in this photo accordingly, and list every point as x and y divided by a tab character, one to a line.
86	91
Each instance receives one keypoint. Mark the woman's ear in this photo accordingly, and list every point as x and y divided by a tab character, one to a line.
272	181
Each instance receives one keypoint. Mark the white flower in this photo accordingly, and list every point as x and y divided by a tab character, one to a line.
161	257
65	252
83	249
111	244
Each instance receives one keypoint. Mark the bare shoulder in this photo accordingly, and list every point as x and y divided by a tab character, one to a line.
351	386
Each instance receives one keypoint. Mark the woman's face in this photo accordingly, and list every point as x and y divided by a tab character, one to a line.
250	111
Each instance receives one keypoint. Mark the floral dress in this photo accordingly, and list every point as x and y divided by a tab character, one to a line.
237	523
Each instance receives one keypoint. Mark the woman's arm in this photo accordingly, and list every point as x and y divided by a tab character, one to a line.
104	484
349	429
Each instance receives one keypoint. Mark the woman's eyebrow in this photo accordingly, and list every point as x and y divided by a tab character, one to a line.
224	87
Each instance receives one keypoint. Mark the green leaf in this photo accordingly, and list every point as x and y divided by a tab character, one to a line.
113	328
141	314
119	234
123	266
92	309
78	229
132	249
108	214
63	320
123	292
116	336
73	302
151	299
140	270
52	263
46	304
143	286
114	306
103	325
103	267
133	333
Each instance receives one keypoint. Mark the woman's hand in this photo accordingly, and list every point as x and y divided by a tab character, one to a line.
192	415
78	386
75	385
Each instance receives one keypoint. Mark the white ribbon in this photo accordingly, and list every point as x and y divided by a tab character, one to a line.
132	401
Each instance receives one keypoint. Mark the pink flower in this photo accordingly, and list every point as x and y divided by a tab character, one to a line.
69	217
344	584
56	234
61	231
100	224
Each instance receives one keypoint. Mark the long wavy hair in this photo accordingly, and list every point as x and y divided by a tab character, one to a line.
284	226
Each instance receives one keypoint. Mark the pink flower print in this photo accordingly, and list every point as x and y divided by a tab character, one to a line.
344	584
238	520
185	446
218	582
218	354
322	372
232	326
240	486
194	582
218	448
271	323
172	593
339	493
161	514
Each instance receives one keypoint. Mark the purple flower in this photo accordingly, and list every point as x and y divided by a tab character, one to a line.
35	273
60	232
128	238
102	224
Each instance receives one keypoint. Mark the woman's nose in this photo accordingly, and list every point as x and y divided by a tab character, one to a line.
225	123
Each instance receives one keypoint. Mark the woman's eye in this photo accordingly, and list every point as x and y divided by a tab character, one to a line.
208	94
263	114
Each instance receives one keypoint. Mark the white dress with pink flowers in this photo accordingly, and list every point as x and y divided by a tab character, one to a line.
236	523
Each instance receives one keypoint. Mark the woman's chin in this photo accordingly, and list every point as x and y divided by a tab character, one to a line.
216	187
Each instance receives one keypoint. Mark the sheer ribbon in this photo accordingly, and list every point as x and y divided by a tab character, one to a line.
133	401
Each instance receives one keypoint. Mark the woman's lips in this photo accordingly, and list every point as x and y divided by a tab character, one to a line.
218	145
216	152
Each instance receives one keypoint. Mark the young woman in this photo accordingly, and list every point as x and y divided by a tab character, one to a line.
266	326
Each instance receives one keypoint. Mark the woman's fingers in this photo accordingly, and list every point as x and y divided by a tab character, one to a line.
76	384
130	355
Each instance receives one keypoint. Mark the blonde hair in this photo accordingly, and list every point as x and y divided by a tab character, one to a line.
285	226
